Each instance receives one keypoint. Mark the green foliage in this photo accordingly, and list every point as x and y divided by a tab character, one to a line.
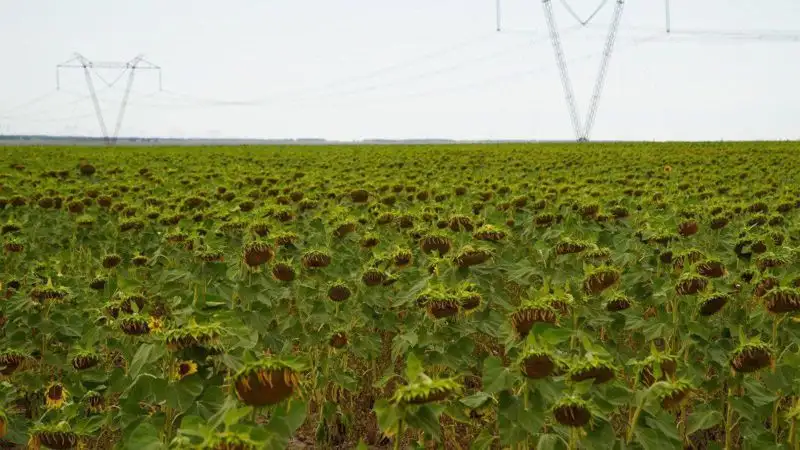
550	296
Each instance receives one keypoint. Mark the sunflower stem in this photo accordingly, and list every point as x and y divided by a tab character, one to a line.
682	424
774	421
399	437
632	424
729	420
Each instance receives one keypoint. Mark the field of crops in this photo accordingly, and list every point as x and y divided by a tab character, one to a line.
594	296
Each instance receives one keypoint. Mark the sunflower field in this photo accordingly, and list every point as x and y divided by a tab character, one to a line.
492	296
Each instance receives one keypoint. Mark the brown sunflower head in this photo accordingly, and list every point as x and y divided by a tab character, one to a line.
373	277
600	278
338	292
257	253
751	357
283	271
316	259
572	412
111	261
530	313
435	243
134	325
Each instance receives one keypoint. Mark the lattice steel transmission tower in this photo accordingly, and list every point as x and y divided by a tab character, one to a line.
581	129
129	67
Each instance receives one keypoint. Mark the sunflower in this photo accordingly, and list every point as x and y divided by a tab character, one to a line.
56	395
155	324
184	369
667	168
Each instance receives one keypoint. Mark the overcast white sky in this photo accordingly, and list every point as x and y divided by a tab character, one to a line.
352	69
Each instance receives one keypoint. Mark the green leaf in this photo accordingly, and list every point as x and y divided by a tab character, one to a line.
483	441
183	394
195	426
758	393
234	415
388	417
144	437
425	419
413	367
548	441
476	400
295	414
145	354
652	440
286	419
548	334
744	407
496	377
703	420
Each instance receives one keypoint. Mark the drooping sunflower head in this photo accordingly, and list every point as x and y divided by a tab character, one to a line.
599	371
55	395
618	301
112	260
370	240
657	366
672	394
468	297
267	381
315	259
470	256
596	255
531	312
713	302
751	357
193	335
441	303
598	279
140	260
135	325
54	436
690	283
426	390
95	402
569	245
436	242
210	255
256	253
537	364
286	238
572	411
49	293
10	361
85	359
98	283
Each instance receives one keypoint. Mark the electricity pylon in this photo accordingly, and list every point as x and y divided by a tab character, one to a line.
583	131
129	67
